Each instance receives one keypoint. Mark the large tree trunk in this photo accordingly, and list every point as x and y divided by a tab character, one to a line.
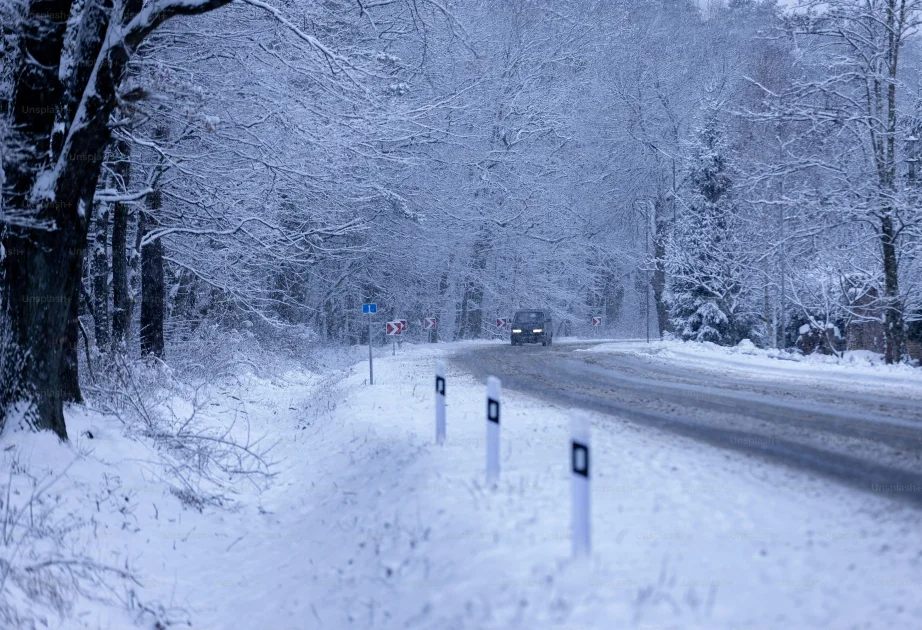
462	320
40	286
893	318
101	279
768	314
121	305
152	287
472	315
658	281
40	271
49	182
70	365
61	131
893	324
121	296
475	309
70	375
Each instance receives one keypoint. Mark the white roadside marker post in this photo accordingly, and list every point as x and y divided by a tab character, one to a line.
493	394
579	464
439	403
371	365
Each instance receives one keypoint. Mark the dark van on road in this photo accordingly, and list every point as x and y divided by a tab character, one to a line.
532	326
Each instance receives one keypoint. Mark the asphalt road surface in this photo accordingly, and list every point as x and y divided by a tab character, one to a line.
862	438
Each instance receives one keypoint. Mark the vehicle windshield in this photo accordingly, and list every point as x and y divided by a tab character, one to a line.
525	317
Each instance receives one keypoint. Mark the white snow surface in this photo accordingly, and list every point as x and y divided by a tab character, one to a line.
857	370
369	524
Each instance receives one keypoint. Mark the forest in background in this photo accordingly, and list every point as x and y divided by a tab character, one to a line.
179	170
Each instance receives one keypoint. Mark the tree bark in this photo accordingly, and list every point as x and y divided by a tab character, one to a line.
472	315
101	279
63	129
462	320
658	281
768	315
121	297
41	270
475	309
70	364
70	375
893	317
152	287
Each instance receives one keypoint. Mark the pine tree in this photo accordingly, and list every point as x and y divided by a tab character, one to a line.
704	260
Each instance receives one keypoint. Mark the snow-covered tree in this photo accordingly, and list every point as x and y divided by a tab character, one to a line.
849	101
706	265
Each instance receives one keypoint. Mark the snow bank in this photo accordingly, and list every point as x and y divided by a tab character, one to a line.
856	369
91	527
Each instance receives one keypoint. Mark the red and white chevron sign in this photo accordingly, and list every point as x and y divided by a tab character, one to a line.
502	322
429	323
403	325
392	328
596	321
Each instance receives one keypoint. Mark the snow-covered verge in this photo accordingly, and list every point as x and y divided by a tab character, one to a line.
367	523
154	447
857	368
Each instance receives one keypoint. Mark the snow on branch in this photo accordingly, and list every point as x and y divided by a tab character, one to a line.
113	196
156	13
335	60
339	230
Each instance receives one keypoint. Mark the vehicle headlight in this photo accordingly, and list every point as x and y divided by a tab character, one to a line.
537	330
516	330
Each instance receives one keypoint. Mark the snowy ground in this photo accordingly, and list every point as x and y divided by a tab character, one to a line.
369	524
859	369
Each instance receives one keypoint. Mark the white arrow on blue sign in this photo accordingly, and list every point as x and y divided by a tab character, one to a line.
369	309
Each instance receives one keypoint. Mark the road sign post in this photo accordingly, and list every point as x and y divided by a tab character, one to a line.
392	329
439	403
430	324
403	328
579	466
493	394
369	309
597	322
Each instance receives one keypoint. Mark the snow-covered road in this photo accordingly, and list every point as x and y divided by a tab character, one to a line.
858	430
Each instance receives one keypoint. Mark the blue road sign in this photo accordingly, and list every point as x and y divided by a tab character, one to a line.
369	309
